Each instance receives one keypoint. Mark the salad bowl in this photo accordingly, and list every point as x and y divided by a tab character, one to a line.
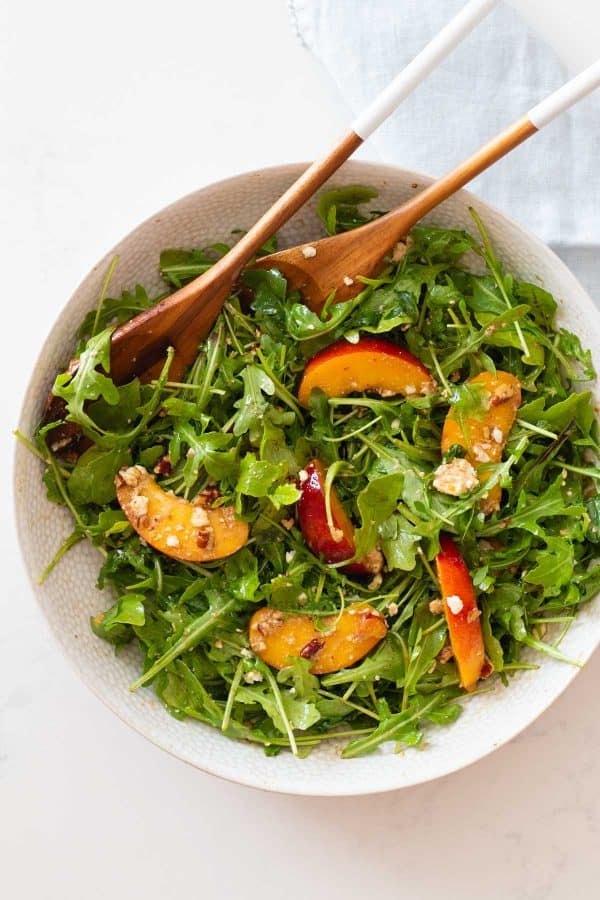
69	596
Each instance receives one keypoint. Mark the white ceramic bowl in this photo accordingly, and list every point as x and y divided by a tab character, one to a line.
69	595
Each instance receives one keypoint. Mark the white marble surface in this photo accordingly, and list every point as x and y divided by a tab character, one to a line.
108	113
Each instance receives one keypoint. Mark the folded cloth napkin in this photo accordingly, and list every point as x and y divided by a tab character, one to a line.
551	184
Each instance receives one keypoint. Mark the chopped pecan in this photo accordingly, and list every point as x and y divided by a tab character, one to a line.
163	466
313	647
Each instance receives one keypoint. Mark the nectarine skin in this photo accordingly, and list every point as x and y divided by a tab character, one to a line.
312	517
277	637
484	437
464	626
372	364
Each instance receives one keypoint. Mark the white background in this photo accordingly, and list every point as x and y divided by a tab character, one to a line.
109	111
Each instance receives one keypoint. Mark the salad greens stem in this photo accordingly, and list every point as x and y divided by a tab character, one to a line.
388	730
231	695
192	634
272	682
107	280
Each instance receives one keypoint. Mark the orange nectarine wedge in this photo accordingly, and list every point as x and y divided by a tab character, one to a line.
174	526
484	434
336	543
371	364
461	611
277	637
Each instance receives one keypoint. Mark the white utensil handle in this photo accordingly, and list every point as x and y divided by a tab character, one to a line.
569	94
420	67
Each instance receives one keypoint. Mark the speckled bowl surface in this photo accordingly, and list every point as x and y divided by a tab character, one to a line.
69	595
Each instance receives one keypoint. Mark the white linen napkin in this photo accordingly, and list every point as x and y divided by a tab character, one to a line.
551	184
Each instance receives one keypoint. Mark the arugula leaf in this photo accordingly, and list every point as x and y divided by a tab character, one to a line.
553	566
300	713
114	311
178	266
87	383
257	476
93	478
376	503
338	208
128	610
252	406
399	543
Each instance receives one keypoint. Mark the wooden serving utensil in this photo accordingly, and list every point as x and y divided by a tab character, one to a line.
184	318
332	264
323	266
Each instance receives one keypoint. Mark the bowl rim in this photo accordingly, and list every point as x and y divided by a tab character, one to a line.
223	769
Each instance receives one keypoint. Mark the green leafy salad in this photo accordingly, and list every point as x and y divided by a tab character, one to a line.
232	437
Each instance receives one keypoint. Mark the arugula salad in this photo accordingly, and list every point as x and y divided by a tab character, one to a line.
341	521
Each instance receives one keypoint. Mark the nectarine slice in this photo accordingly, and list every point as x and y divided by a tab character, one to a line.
277	637
174	526
461	611
371	364
333	544
484	433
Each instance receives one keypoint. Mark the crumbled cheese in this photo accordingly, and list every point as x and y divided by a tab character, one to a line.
480	452
252	677
337	534
348	281
288	524
497	434
395	424
409	390
387	392
172	540
309	252
219	644
302	476
436	607
139	506
454	603
473	615
191	452
246	652
392	609
455	478
199	517
289	555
